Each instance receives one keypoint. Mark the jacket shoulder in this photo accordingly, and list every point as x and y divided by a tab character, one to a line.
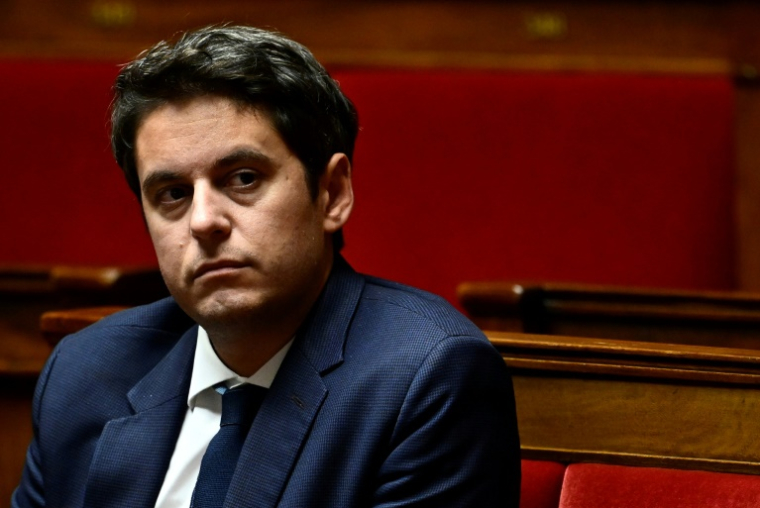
417	307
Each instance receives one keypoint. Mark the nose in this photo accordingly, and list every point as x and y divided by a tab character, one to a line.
208	216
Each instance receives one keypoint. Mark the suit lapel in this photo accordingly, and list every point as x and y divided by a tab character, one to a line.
296	396
133	452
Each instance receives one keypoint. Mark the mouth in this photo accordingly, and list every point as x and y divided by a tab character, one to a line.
218	267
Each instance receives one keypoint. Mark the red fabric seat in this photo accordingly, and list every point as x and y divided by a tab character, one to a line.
541	484
606	486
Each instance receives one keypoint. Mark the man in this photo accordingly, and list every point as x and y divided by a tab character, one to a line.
238	145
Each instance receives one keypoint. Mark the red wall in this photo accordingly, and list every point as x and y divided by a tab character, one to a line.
459	176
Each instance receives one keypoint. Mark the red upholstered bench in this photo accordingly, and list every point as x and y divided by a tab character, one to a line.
541	483
547	484
607	486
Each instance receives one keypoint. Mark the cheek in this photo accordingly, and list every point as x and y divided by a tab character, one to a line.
305	228
168	251
171	266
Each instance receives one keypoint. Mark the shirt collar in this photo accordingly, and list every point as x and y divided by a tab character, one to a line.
209	370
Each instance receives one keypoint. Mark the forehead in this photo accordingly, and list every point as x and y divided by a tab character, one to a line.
200	130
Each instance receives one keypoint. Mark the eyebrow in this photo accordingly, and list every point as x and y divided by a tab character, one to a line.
231	159
244	155
158	177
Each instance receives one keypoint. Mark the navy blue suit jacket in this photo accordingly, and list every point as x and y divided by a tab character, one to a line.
388	397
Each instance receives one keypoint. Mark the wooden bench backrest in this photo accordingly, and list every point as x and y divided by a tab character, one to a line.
635	403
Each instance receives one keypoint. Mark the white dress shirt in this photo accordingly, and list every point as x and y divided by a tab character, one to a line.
204	412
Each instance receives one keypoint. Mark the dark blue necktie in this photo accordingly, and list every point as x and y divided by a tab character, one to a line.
239	407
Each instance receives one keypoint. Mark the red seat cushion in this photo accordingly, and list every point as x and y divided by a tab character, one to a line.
605	486
541	484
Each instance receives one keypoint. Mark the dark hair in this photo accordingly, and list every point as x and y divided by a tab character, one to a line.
251	66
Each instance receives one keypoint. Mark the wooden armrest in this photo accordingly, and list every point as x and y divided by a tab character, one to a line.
56	324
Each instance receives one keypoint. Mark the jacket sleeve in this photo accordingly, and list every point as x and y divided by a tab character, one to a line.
456	442
31	493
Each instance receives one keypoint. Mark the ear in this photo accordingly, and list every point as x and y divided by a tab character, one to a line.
336	192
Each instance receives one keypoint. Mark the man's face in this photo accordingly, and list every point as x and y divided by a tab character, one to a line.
234	226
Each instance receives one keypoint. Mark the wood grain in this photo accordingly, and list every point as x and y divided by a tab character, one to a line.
363	32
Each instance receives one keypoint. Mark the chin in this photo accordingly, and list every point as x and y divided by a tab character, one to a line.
223	307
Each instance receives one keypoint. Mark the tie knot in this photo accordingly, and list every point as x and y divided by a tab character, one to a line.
240	404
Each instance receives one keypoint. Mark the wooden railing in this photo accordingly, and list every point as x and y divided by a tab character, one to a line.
723	319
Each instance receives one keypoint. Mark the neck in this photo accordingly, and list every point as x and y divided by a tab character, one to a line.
246	355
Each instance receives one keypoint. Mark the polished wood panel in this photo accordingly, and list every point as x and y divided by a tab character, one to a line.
131	285
625	402
621	402
726	319
367	31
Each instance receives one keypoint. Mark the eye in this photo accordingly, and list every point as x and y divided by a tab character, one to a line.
172	194
243	178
